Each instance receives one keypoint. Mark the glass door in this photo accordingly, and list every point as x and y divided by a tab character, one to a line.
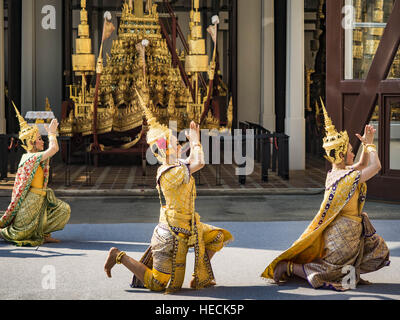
393	135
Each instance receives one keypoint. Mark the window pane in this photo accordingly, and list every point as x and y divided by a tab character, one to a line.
395	136
363	36
394	72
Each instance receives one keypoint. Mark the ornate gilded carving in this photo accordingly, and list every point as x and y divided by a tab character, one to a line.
118	106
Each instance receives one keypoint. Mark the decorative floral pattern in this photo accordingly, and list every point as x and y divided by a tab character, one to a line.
26	171
310	245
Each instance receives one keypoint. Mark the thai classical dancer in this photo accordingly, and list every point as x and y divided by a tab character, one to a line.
34	212
340	239
163	265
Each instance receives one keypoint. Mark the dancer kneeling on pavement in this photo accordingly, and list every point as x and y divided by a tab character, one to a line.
34	211
163	265
341	238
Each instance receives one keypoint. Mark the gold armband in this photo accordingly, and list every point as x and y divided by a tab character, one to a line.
119	257
198	144
198	152
369	147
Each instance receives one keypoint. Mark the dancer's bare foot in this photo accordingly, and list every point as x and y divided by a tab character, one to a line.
193	283
110	262
364	282
279	271
49	239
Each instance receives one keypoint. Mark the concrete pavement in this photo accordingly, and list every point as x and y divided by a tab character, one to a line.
222	208
263	226
76	265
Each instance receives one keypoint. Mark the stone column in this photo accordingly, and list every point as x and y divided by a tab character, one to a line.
249	60
2	75
267	110
28	57
48	72
295	121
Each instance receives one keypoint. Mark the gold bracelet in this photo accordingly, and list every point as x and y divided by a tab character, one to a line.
289	269
198	144
368	146
371	148
52	136
119	257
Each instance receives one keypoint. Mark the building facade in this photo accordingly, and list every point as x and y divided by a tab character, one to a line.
276	56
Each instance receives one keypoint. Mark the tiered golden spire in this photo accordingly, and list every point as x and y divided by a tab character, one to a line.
83	62
119	107
156	130
333	141
27	134
197	59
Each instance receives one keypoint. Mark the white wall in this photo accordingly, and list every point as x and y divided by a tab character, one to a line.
267	109
41	57
295	122
28	57
249	60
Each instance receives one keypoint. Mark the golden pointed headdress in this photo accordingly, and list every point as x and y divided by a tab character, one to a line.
334	140
27	134
157	134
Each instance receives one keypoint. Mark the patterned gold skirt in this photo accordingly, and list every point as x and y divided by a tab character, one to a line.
347	244
166	257
38	216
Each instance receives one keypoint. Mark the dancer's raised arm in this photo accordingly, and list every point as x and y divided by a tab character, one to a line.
369	163
53	144
196	157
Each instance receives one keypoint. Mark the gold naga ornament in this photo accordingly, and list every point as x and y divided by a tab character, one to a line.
119	109
27	133
334	140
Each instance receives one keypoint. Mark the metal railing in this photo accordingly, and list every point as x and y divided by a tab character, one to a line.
10	154
271	150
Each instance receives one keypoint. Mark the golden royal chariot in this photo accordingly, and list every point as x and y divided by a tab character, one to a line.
110	112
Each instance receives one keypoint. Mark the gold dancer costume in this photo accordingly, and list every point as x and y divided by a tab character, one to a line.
179	226
34	211
340	234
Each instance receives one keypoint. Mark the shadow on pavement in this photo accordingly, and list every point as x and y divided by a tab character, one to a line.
104	246
30	252
275	292
8	250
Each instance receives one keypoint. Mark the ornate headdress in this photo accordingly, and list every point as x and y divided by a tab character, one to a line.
337	141
158	135
27	134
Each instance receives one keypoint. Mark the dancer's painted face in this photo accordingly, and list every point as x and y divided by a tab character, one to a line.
175	149
349	155
39	143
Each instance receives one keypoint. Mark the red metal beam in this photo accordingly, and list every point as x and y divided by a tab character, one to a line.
175	56
380	67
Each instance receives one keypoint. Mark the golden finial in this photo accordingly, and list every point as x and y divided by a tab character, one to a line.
27	133
334	140
156	130
329	127
47	105
21	120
